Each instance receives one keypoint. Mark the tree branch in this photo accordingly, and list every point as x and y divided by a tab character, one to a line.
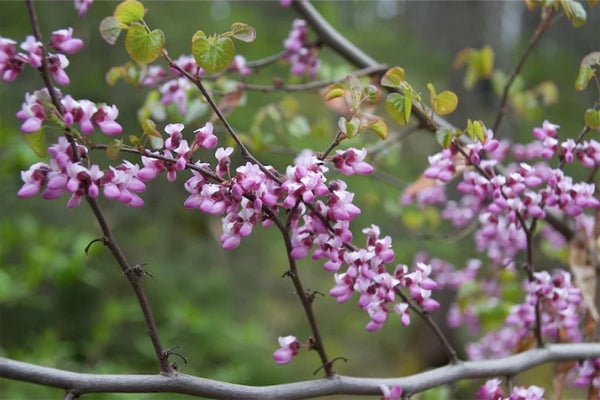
81	383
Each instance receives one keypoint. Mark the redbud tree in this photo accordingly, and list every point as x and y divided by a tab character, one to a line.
518	203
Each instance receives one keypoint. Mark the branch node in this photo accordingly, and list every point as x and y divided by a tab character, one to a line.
138	271
167	353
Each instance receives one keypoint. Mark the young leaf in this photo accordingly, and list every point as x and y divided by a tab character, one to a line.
446	102
129	11
444	137
214	54
144	47
380	128
407	105
114	74
432	94
371	93
395	106
583	78
334	93
243	32
37	142
575	12
110	29
393	77
113	148
592	118
352	127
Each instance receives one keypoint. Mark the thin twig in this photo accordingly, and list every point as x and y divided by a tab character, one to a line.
545	23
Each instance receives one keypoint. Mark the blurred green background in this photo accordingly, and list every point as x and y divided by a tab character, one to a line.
59	307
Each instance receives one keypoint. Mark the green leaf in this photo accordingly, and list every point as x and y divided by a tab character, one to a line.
129	11
395	106
352	127
583	78
113	148
334	93
393	77
213	54
37	142
371	93
432	94
446	102
110	29
485	65
575	12
144	47
476	130
114	74
407	105
444	137
243	32
592	118
380	128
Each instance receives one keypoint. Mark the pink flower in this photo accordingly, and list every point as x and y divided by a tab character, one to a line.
105	117
34	49
289	348
205	137
32	112
491	390
239	65
175	135
56	65
82	6
352	162
11	63
62	40
392	393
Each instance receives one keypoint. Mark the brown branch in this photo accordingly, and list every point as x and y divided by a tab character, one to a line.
339	384
109	240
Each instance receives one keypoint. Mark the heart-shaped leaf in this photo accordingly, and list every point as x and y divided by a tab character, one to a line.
110	29
446	102
380	128
144	47
393	77
129	11
37	142
395	105
213	54
243	32
592	118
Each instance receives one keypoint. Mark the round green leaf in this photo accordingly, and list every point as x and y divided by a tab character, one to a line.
213	54
393	77
144	47
37	142
395	106
243	32
334	93
110	29
575	12
380	128
129	11
592	118
445	102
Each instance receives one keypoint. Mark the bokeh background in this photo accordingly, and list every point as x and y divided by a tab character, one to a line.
60	307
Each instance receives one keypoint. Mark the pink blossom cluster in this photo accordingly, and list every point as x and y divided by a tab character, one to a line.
37	108
501	202
492	390
303	59
63	175
12	62
560	305
547	146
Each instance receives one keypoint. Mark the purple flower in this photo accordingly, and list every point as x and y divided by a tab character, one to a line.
81	6
289	348
62	40
11	63
105	117
205	137
352	162
392	393
491	390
